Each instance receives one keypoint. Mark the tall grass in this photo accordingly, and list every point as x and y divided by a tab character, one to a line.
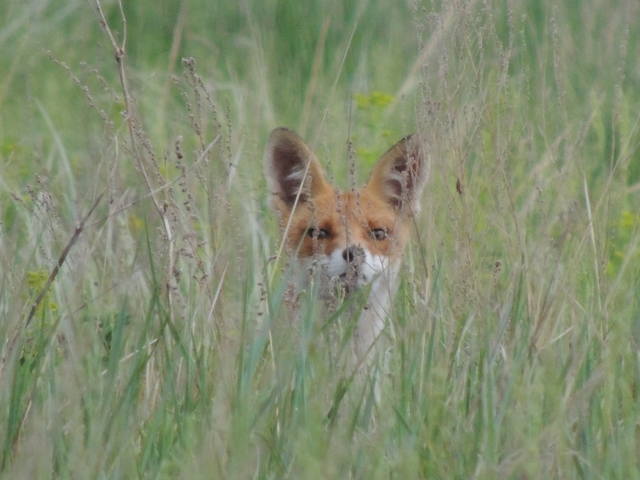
163	348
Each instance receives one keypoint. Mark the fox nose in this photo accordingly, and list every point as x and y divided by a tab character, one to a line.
353	254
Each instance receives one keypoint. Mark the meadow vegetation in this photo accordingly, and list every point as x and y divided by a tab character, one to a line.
160	347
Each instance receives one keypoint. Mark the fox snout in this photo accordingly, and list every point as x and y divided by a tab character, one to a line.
354	270
355	265
353	255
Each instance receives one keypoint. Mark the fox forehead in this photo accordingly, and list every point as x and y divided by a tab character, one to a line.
349	218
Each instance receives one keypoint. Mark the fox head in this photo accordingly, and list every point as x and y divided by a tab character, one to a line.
351	237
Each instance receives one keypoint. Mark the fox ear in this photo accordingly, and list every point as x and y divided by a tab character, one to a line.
400	174
291	169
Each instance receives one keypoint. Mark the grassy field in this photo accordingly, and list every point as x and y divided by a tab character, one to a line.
161	349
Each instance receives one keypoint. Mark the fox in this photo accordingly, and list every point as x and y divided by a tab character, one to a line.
346	240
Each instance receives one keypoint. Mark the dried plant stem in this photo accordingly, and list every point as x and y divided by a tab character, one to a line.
592	235
63	256
52	276
120	54
161	188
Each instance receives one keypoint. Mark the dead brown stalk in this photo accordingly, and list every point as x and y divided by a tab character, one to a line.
120	57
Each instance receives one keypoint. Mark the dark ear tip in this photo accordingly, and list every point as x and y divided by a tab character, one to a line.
279	130
412	143
279	133
411	139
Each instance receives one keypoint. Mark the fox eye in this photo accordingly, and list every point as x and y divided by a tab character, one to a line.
318	233
379	233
